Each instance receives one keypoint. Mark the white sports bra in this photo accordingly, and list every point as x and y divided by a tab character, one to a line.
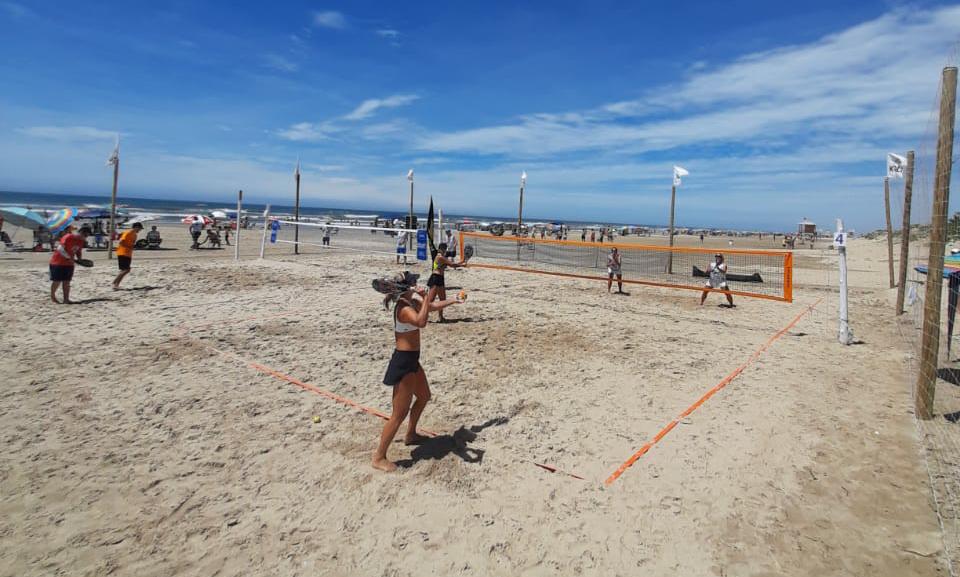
400	327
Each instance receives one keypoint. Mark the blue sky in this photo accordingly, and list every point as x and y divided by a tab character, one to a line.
778	110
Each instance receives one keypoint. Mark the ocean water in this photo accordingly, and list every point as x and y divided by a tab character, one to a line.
172	210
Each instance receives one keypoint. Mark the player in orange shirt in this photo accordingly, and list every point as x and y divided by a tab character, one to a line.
125	245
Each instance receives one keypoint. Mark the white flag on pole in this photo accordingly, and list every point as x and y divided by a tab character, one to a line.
296	172
115	155
410	175
523	178
896	165
678	171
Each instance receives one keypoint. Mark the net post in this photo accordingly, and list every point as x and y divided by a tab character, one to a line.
886	204
788	277
905	232
266	224
461	243
930	345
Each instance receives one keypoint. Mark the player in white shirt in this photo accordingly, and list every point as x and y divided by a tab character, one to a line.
717	279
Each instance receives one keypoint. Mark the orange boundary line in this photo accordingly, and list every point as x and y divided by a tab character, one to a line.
324	393
736	372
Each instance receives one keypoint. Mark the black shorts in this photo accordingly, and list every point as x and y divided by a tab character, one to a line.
61	273
435	280
450	254
402	363
123	262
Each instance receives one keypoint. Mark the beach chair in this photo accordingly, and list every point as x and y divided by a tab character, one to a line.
8	244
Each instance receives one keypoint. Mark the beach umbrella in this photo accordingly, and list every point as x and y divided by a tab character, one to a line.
219	214
23	217
190	219
61	219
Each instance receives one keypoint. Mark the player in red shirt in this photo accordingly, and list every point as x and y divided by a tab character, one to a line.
63	260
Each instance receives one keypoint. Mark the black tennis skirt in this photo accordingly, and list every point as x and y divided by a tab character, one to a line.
435	280
402	363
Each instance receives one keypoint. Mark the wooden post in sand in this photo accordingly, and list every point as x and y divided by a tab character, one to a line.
523	184
930	347
905	232
296	212
115	161
411	238
236	237
886	204
673	202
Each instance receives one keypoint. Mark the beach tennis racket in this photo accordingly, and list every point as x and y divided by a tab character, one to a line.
85	262
467	253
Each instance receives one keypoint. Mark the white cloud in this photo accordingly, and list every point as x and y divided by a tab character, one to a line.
388	33
306	132
368	107
280	63
68	133
878	77
329	19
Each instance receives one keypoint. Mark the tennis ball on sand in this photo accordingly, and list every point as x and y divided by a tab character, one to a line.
316	418
462	296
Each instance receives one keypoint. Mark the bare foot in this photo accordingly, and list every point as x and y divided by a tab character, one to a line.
66	302
384	464
415	439
116	287
54	299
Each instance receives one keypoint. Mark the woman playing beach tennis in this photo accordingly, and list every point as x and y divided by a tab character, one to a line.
440	263
404	372
717	280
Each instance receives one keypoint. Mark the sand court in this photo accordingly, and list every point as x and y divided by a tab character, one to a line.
178	435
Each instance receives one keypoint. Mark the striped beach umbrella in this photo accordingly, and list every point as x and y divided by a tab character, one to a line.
61	219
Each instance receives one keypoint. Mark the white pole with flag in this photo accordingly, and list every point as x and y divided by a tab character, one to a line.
114	161
678	172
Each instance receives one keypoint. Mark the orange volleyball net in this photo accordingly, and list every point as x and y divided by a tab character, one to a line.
750	273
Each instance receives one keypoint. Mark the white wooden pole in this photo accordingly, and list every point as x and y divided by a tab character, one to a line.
113	202
266	225
845	336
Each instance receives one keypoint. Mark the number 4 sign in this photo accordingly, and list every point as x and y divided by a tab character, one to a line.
839	239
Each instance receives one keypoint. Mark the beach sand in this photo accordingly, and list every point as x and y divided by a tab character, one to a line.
156	430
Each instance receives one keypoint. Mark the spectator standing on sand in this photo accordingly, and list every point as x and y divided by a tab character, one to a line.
195	228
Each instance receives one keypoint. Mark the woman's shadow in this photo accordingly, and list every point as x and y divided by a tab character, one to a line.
458	444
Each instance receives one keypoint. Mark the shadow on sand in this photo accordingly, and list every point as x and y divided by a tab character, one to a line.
457	444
